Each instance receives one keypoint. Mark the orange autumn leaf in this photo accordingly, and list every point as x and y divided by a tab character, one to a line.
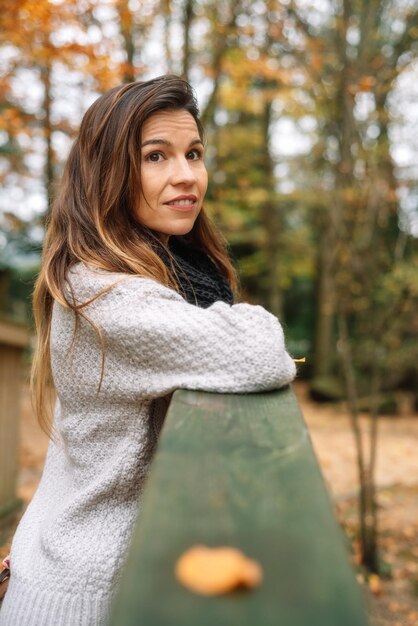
366	83
213	571
375	585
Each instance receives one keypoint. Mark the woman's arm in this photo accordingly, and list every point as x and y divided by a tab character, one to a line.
154	335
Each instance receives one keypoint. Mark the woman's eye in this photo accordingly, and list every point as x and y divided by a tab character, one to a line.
194	155
154	157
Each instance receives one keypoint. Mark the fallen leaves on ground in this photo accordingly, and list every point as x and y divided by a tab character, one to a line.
375	584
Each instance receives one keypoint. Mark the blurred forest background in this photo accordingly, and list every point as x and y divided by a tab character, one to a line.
311	111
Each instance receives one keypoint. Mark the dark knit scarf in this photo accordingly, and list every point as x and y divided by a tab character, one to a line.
200	281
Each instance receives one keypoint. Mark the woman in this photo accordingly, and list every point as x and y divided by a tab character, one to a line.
134	300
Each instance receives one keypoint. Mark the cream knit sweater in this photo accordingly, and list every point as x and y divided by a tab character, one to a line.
70	545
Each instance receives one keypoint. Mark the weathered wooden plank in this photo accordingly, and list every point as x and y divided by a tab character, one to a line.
13	338
14	334
240	471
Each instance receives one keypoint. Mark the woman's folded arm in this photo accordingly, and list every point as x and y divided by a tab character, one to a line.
152	333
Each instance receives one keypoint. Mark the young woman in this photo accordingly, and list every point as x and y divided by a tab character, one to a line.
134	300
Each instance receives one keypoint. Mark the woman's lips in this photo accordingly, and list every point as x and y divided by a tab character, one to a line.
183	203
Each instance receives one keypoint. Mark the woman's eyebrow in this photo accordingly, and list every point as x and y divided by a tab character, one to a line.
165	142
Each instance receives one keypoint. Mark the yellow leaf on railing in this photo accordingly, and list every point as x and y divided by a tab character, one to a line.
213	571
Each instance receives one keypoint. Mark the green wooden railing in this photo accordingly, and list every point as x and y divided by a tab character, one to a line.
239	470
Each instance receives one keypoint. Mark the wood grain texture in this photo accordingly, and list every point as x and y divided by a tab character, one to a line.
10	392
14	334
238	470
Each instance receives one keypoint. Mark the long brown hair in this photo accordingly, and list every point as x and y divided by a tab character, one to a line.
92	217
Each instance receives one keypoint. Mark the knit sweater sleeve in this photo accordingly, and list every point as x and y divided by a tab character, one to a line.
153	337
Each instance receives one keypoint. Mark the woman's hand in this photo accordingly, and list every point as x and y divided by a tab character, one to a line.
4	577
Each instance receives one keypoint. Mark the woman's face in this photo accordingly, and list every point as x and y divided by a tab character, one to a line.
173	174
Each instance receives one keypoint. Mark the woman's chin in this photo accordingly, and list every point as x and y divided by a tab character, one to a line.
182	228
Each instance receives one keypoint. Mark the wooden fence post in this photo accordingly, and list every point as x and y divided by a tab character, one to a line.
14	338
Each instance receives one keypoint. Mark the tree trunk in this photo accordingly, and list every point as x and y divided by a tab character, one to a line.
325	307
345	353
220	46
187	22
272	222
127	31
166	11
47	131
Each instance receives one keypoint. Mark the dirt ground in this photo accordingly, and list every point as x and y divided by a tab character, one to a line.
393	600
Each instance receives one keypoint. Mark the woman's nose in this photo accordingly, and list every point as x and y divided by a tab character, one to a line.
183	172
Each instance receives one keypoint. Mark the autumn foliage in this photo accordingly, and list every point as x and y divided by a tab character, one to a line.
305	108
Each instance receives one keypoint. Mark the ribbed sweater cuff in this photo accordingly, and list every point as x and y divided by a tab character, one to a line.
26	605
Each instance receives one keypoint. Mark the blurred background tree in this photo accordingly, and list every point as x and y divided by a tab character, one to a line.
310	110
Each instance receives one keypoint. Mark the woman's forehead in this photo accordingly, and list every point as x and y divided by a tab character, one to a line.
169	124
